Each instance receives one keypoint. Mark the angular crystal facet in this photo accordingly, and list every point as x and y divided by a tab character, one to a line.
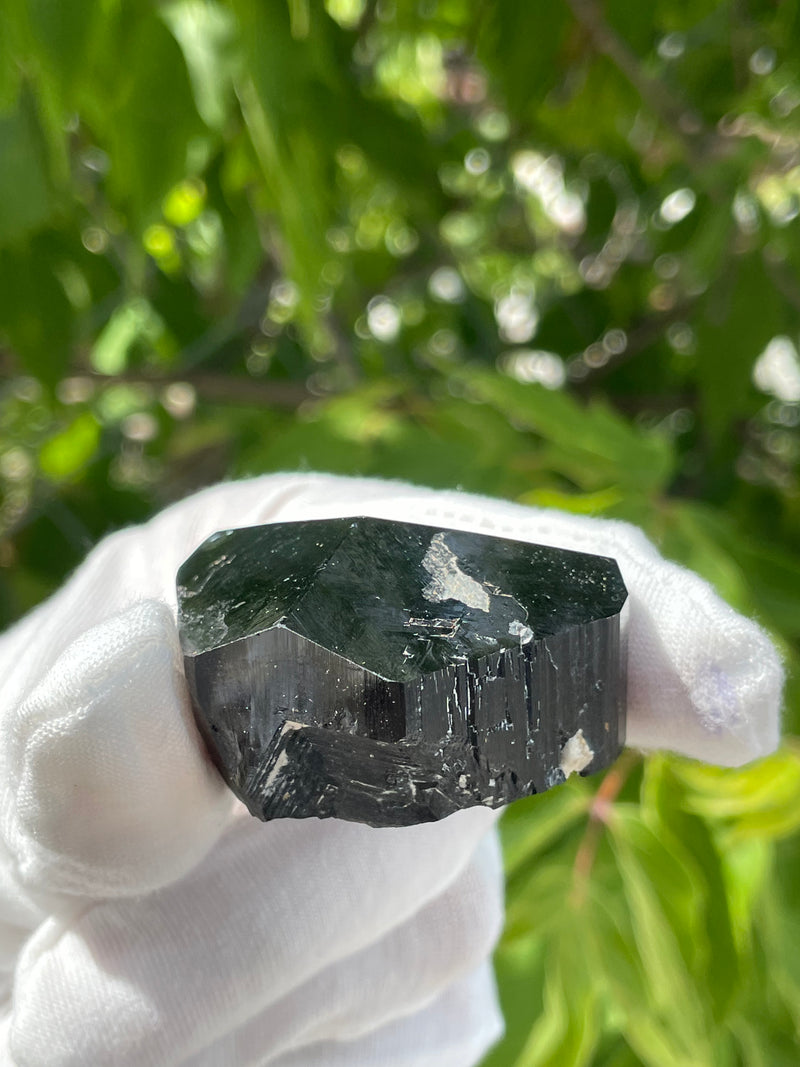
392	673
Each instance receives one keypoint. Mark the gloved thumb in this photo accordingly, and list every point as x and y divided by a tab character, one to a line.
109	790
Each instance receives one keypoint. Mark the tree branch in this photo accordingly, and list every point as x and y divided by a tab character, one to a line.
220	388
599	815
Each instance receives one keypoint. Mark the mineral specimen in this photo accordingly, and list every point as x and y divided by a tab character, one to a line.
391	673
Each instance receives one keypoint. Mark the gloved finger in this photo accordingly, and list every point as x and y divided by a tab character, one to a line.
396	976
131	982
455	1030
109	790
19	917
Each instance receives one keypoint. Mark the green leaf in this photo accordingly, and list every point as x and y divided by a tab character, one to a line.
206	32
538	893
684	534
9	70
576	503
300	107
533	824
154	120
26	200
37	319
567	1032
592	445
675	879
770	574
506	32
647	870
133	321
64	455
730	337
717	905
520	972
63	35
284	93
617	968
759	800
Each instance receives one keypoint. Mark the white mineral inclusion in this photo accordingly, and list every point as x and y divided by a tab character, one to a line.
517	628
576	755
282	761
448	581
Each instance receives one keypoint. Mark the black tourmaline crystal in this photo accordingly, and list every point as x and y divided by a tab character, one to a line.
391	673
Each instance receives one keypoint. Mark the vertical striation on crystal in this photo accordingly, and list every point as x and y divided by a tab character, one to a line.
391	673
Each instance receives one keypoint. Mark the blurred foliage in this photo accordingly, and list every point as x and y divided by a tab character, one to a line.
544	251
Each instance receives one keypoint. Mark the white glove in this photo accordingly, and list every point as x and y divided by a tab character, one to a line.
144	919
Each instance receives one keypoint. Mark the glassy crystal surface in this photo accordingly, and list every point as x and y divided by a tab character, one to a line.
391	673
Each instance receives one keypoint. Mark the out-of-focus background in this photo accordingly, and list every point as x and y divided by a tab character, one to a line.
546	251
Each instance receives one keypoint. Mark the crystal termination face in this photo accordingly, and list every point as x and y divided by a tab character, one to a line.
391	673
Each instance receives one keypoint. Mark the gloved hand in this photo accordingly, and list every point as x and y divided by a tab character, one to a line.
144	919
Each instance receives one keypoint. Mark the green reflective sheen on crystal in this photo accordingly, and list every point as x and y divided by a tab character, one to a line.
398	599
